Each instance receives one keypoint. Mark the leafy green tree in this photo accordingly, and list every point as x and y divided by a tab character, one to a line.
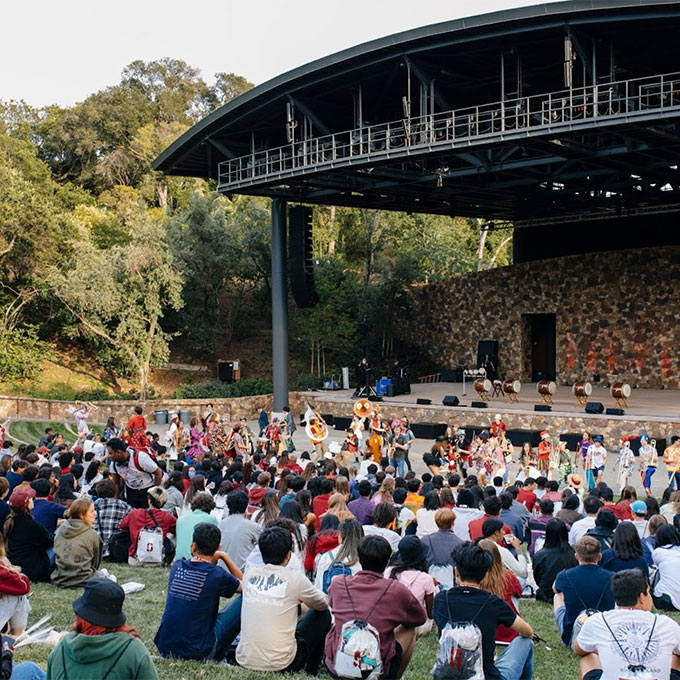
120	295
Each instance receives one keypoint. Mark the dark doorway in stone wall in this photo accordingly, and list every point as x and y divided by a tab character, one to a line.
542	345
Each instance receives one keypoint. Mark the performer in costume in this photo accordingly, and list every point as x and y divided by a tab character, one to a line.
136	431
196	451
583	446
544	450
649	459
171	437
81	414
498	427
317	431
598	458
671	457
625	462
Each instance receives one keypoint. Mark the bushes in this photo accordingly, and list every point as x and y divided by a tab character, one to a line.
214	389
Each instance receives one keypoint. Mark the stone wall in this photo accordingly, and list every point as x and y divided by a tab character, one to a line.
25	408
617	314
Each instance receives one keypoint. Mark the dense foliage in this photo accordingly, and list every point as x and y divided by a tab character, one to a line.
101	253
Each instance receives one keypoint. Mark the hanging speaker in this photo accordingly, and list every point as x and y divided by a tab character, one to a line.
300	262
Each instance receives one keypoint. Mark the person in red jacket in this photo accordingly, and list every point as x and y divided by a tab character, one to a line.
14	590
136	520
526	494
323	541
492	508
257	493
320	503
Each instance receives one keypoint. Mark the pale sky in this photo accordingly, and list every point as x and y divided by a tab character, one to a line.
60	52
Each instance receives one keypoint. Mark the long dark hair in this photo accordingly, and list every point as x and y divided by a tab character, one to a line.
92	470
65	490
557	536
626	543
667	536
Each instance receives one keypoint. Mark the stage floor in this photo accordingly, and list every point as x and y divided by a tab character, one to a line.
650	404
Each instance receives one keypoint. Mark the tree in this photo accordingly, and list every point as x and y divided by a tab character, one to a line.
120	295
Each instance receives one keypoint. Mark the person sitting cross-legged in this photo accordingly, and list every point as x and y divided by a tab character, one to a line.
614	644
191	626
272	638
467	602
386	604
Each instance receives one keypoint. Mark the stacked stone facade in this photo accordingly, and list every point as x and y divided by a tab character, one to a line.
617	315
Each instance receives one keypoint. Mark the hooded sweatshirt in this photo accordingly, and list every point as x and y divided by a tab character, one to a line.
111	656
78	553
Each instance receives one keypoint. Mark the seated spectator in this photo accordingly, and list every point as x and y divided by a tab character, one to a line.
666	557
14	590
414	501
611	644
269	509
465	602
384	522
272	638
626	550
362	508
256	494
555	556
640	521
239	535
174	485
552	494
537	525
591	506
192	627
201	507
569	513
350	533
46	512
583	587
320	503
439	546
425	516
65	492
526	494
26	541
465	514
386	604
77	546
669	509
493	530
510	518
110	512
14	477
410	568
150	517
101	644
504	584
649	543
406	520
492	508
323	541
291	510
337	505
622	509
603	531
4	495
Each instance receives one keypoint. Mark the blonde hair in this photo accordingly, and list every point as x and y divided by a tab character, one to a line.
78	508
495	580
444	518
588	549
387	490
342	486
337	505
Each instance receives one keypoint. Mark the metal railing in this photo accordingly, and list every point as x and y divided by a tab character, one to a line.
627	98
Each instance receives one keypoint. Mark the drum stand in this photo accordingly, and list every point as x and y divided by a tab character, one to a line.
497	389
547	398
621	402
511	398
483	396
581	401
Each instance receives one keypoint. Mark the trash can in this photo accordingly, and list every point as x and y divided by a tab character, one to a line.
185	415
161	416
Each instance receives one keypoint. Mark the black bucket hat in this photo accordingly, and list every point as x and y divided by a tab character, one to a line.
101	604
411	551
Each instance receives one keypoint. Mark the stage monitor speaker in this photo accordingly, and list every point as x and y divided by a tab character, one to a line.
390	390
341	422
615	412
301	263
479	404
542	407
225	371
424	402
594	407
450	400
489	347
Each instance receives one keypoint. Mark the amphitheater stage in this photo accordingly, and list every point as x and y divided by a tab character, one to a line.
652	411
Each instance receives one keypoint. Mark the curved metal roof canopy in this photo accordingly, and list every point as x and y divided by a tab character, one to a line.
566	109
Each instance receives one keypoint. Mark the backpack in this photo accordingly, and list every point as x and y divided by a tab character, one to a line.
585	613
459	650
150	543
336	568
118	544
358	653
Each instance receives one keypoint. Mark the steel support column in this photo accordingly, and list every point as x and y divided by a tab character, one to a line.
279	305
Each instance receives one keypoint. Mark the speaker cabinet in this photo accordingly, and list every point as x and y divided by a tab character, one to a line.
450	400
301	264
542	407
424	402
479	404
594	407
615	412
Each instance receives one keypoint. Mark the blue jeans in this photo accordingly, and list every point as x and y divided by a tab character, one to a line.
399	466
227	627
517	661
674	478
27	670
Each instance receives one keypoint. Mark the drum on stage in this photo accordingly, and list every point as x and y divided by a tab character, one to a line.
512	386
620	390
483	386
582	388
546	388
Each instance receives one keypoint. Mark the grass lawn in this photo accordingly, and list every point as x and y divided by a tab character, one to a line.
30	432
553	661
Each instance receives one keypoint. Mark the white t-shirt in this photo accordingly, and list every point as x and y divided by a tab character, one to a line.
632	628
392	537
668	561
580	528
136	476
426	523
598	455
463	518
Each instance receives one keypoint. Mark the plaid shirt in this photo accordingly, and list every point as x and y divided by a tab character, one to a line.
110	513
